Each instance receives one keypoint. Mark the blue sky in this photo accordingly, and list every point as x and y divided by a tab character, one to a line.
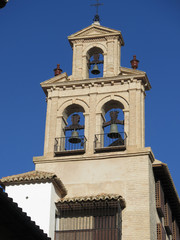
33	37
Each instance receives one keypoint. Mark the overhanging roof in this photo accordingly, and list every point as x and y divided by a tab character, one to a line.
78	202
34	177
162	173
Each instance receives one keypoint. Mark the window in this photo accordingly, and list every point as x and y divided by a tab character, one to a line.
159	199
176	233
168	219
89	218
161	233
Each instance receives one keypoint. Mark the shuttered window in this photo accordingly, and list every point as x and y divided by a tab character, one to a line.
175	231
161	233
159	199
98	221
168	219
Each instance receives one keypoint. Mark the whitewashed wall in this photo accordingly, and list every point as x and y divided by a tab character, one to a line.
38	201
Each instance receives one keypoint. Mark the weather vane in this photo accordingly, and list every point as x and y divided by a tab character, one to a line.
96	17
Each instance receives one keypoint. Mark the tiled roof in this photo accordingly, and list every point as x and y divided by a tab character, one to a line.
34	177
97	198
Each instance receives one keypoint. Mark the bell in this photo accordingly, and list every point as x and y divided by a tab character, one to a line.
95	70
74	137
113	131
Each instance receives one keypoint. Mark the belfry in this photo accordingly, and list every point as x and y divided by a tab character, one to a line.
101	181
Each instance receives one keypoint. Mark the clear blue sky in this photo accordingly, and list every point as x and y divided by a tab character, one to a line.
33	39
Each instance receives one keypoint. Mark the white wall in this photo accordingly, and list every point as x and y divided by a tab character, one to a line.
37	200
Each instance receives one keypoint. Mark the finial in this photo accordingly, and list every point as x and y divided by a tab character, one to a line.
96	18
57	70
134	62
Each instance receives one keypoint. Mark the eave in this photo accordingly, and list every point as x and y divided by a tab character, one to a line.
161	172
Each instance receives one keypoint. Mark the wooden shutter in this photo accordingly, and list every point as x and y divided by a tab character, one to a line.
175	231
159	199
105	228
168	219
161	233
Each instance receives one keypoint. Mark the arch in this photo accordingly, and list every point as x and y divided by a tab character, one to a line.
83	106
86	54
93	50
95	45
123	104
111	119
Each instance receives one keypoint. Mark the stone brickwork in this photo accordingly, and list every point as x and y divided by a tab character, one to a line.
125	173
91	95
108	40
128	172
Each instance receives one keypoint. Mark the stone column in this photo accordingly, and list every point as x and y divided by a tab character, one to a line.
77	61
126	126
92	121
132	118
138	119
110	58
48	113
52	123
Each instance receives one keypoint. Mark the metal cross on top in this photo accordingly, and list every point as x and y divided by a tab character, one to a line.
96	17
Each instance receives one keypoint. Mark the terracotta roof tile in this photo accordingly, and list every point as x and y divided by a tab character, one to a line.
99	197
34	177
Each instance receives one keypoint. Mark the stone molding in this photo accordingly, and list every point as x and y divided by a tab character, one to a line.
97	156
91	82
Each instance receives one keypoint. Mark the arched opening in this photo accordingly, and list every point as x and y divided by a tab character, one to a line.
112	136
72	135
95	62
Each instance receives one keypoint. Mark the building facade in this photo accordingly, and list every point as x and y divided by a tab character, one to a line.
95	143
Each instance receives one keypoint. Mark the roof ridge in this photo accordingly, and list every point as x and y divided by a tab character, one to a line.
34	172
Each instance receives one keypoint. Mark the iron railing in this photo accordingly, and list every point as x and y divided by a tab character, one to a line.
63	145
103	142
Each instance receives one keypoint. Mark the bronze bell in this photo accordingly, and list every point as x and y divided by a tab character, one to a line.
113	131
95	70
74	137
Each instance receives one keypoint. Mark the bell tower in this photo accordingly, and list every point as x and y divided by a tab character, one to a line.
93	94
96	39
95	128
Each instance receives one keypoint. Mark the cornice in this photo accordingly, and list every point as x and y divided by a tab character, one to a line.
90	82
101	33
104	36
97	156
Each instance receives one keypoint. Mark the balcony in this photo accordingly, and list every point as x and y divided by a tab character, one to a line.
104	143
64	145
89	218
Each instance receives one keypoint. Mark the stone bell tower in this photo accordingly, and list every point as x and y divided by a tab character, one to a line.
118	87
98	39
78	148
